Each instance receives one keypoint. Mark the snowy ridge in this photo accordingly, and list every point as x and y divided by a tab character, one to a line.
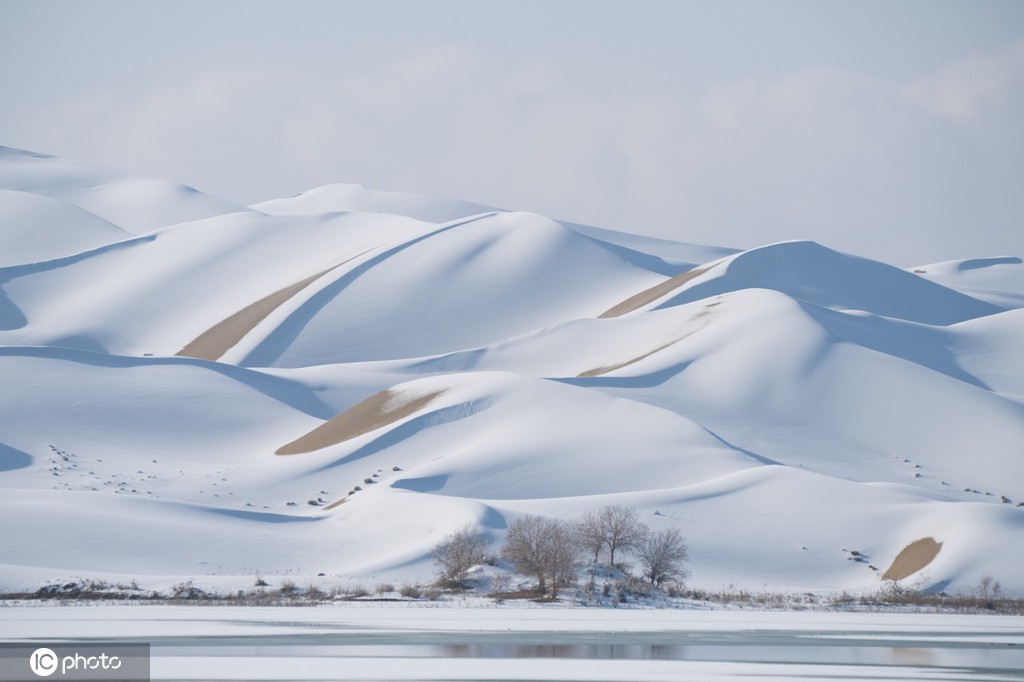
333	382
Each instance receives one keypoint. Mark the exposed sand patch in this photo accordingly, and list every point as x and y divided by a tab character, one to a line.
598	371
913	558
654	293
218	339
380	409
702	315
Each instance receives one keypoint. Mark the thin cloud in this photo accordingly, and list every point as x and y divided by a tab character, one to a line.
883	167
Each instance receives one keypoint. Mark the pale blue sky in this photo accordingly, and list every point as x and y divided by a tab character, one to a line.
890	129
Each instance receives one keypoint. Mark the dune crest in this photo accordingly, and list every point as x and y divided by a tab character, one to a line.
380	409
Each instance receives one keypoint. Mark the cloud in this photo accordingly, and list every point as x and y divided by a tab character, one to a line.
909	171
965	88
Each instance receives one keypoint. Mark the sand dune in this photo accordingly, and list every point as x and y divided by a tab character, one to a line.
653	294
913	558
774	404
376	411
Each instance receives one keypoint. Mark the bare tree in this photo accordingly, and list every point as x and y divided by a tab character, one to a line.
563	556
544	548
623	530
458	552
617	528
662	556
590	534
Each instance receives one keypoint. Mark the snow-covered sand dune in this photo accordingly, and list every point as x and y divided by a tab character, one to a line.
333	382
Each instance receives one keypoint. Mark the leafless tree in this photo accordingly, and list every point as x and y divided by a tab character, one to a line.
458	552
623	530
544	548
589	533
617	528
662	556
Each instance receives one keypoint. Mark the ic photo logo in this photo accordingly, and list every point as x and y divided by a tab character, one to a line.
73	661
43	662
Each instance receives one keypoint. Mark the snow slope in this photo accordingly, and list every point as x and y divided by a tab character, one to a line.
349	198
332	383
39	228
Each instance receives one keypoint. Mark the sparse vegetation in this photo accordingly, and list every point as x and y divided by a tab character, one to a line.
457	553
410	592
611	528
544	548
663	555
619	590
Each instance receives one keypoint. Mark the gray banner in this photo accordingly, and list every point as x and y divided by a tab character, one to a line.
112	661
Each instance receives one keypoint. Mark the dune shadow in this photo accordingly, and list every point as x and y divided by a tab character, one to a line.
425	484
11	316
642	381
263	517
978	263
280	389
11	459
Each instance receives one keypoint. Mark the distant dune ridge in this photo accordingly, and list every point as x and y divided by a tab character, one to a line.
332	382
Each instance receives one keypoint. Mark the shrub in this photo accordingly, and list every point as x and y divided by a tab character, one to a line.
187	590
410	591
500	583
356	591
662	556
458	552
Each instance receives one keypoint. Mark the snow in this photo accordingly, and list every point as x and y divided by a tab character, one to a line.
35	229
998	280
351	198
782	407
468	282
134	203
807	271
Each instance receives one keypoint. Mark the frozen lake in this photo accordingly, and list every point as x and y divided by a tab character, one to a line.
405	642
